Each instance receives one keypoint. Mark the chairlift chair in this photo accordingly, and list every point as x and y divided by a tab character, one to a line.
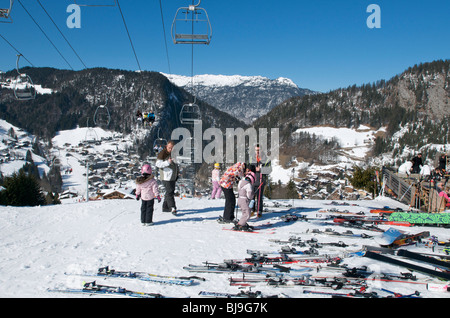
191	25
159	143
149	112
91	135
102	117
190	114
23	85
5	13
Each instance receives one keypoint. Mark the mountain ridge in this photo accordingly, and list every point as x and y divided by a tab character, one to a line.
244	97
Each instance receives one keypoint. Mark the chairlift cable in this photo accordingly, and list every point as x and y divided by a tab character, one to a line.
67	41
40	28
17	51
129	36
164	33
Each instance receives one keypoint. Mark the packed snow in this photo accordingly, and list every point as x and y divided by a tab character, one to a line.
41	245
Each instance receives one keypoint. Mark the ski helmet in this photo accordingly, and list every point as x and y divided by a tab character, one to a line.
146	169
251	177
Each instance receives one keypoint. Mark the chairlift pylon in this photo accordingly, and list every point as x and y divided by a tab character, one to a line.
5	13
191	25
23	86
96	3
102	117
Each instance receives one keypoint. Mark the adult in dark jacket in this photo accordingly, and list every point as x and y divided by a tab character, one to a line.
263	169
227	181
442	162
169	175
417	163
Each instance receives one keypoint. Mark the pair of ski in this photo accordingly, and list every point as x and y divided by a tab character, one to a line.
345	234
373	221
284	250
92	288
305	280
266	228
241	294
285	259
228	267
107	272
380	254
363	294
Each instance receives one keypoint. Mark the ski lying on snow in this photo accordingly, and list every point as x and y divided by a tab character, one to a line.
285	259
345	234
375	221
92	288
256	231
242	294
363	294
305	280
285	250
390	260
265	228
412	255
107	272
228	267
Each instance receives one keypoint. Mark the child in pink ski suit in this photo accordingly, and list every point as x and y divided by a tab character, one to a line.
147	190
215	178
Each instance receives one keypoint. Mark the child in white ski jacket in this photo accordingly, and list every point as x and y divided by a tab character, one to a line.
246	195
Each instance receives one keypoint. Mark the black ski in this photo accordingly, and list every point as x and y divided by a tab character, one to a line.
414	267
426	259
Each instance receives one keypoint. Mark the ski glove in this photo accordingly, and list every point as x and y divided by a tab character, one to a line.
138	197
251	204
159	199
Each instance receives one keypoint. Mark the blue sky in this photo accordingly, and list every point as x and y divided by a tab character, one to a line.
320	45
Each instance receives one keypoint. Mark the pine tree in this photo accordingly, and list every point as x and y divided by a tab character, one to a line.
291	190
22	190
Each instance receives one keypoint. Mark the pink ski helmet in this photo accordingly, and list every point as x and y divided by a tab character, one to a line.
251	177
146	169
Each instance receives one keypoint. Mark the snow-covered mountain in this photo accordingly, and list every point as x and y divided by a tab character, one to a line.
244	97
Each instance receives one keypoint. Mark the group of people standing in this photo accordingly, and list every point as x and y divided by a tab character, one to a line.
250	179
418	166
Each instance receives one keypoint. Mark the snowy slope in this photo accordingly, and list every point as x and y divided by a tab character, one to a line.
38	245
